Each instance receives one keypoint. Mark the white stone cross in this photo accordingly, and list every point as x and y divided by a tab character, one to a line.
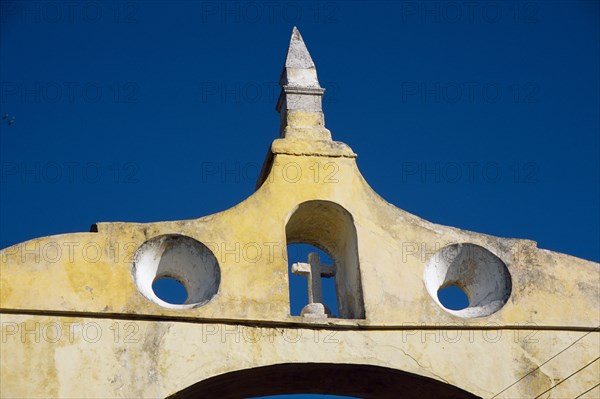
314	270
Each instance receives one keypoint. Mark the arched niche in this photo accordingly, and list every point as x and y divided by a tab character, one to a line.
330	227
356	380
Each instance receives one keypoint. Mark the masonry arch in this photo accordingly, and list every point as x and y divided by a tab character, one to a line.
358	380
330	227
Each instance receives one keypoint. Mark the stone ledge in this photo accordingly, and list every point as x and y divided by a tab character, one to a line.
325	148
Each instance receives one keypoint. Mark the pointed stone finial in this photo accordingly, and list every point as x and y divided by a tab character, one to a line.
299	102
298	55
302	130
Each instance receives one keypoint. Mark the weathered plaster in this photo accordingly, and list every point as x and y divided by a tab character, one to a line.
540	325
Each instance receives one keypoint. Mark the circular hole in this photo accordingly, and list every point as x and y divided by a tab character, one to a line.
170	290
453	298
482	279
185	262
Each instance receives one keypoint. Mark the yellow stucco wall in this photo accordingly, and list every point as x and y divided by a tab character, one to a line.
75	323
87	278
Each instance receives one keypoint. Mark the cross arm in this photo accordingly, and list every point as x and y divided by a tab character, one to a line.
327	270
301	269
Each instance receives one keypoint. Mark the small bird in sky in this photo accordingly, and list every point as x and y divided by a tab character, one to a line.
9	120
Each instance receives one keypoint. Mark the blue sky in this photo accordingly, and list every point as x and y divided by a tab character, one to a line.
484	117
